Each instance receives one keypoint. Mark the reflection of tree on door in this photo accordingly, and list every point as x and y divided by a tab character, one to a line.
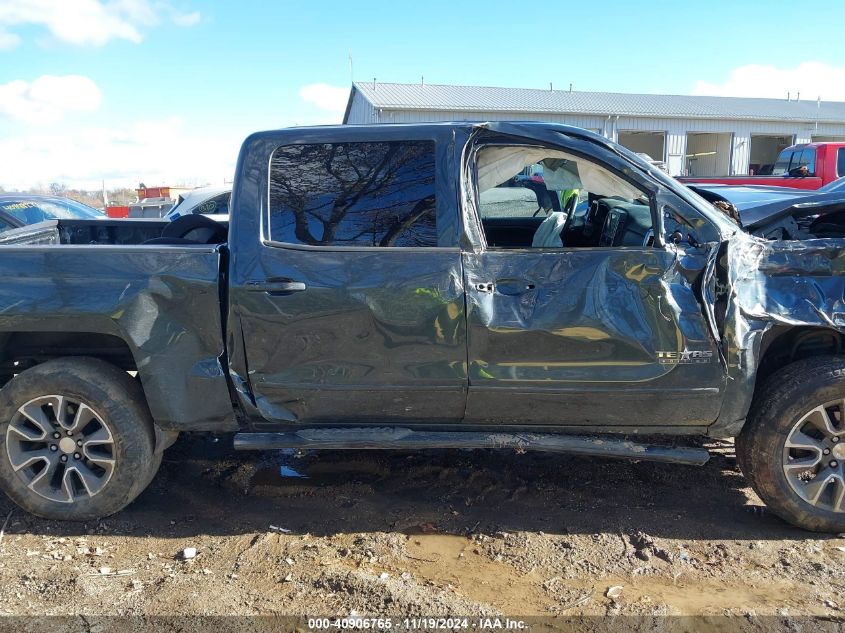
364	194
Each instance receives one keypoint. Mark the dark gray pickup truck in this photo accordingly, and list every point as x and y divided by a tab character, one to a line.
503	285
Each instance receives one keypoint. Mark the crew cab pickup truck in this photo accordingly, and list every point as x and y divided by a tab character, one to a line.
385	287
803	166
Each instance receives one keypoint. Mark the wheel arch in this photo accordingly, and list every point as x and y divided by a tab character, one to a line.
783	345
24	349
182	393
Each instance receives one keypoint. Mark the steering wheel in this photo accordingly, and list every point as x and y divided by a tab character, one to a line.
567	223
590	218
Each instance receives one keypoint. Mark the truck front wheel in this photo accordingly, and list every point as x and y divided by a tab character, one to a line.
792	447
76	439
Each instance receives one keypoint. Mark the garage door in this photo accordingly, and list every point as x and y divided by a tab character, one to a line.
708	154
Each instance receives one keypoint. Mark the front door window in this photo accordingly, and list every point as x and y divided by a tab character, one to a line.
540	198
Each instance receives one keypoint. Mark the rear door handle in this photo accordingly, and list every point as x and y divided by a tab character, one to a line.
276	286
513	287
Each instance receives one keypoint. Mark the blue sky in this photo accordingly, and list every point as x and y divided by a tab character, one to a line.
129	90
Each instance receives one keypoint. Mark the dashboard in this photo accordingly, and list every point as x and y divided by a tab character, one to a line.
619	223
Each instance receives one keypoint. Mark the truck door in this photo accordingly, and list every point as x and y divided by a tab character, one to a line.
575	317
350	304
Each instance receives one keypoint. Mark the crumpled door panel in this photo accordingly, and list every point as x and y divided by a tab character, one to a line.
581	336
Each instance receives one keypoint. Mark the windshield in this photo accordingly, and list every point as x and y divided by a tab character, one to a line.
726	225
795	161
34	210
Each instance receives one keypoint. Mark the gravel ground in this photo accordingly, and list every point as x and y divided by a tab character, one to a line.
441	532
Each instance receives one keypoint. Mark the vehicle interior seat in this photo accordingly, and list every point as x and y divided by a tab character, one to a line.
548	234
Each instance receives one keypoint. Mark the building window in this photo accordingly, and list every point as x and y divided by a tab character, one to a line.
354	194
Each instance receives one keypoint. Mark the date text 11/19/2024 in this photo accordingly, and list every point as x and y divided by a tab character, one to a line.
417	624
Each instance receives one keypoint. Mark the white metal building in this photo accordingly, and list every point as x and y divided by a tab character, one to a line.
700	136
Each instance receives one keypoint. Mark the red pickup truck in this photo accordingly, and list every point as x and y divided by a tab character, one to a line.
804	166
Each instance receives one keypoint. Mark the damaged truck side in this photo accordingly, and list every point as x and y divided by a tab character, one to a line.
500	285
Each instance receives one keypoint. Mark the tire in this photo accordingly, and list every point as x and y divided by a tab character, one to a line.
104	444
787	423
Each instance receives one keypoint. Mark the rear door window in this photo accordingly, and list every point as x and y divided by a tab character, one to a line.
371	194
840	162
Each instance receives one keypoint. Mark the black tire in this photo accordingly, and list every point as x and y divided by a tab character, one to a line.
116	402
781	402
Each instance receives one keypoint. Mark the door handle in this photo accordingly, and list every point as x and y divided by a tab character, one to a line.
513	287
276	286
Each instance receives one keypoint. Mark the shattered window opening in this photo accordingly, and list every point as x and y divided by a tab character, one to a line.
535	197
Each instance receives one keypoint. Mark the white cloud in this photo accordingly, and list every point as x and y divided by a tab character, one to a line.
186	19
8	40
48	98
811	79
157	152
88	22
325	97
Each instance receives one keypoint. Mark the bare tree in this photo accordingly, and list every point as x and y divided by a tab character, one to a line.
355	193
58	188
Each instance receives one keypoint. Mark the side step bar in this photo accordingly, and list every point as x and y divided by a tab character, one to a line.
399	438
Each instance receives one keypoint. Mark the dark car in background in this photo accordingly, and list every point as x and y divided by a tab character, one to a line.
778	212
22	209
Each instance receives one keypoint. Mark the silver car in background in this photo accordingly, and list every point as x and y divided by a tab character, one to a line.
202	200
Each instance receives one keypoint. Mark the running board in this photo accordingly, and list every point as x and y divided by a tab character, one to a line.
400	438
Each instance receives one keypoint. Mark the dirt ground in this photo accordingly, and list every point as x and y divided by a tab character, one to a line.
441	532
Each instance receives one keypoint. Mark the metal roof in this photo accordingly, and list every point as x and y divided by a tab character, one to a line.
393	96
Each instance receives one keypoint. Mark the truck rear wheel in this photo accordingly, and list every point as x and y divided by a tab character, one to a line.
792	447
76	439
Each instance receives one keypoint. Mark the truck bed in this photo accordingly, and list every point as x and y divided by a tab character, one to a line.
86	279
85	232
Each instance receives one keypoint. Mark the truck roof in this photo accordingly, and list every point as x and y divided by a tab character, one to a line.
389	129
818	144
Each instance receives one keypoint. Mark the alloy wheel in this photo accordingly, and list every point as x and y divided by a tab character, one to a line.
61	448
814	457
